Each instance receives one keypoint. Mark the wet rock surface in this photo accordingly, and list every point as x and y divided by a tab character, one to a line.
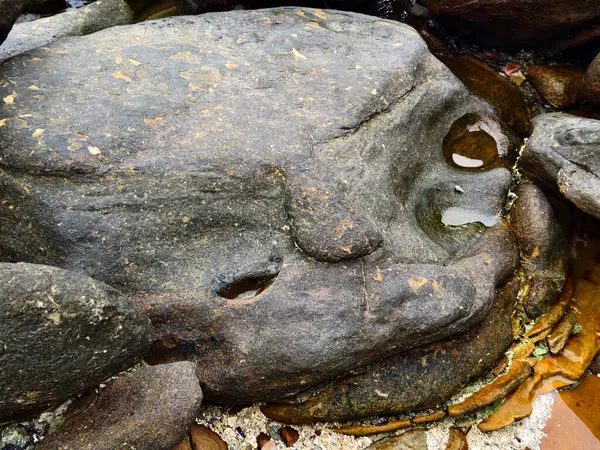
151	408
560	86
418	379
86	20
515	24
61	333
591	81
563	155
543	227
252	191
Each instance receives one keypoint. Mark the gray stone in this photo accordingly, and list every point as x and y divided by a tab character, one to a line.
410	440
91	18
60	333
563	155
543	228
9	13
272	190
151	409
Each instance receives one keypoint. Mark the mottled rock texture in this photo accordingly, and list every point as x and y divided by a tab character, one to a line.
61	333
151	409
563	154
271	189
543	227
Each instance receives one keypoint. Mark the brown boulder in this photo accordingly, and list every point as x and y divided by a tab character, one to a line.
591	82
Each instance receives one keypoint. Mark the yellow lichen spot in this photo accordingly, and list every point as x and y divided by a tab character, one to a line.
94	150
239	41
536	252
35	59
134	63
192	87
417	284
186	219
185	56
320	14
349	88
54	317
38	132
3	122
378	276
300	13
33	87
297	54
120	76
118	60
313	24
231	66
10	99
267	20
153	122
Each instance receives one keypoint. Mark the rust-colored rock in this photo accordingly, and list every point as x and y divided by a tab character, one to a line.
411	440
489	85
203	438
561	332
184	444
556	311
262	439
289	435
570	364
434	417
518	372
558	85
392	425
457	440
591	82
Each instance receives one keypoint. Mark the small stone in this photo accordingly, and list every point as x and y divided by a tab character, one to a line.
558	85
184	445
457	440
411	440
262	439
151	409
206	439
289	435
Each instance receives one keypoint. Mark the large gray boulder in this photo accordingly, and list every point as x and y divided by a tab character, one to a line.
563	155
61	333
286	203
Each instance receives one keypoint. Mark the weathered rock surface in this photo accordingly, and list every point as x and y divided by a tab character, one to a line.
591	81
9	12
418	379
558	85
270	189
61	333
543	231
563	154
515	24
86	20
151	409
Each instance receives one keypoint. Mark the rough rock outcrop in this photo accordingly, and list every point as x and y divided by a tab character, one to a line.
61	333
284	202
151	408
88	19
563	154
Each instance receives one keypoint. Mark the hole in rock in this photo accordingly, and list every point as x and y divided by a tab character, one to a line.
477	142
247	287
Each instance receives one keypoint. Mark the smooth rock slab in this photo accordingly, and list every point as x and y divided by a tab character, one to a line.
151	409
60	333
563	155
272	190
